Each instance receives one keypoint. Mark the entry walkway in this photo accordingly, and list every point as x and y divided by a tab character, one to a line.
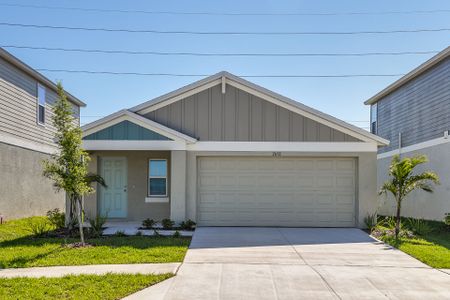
60	271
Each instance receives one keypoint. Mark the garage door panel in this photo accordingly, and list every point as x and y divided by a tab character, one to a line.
249	191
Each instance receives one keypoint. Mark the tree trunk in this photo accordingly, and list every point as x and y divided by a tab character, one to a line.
397	220
80	221
72	211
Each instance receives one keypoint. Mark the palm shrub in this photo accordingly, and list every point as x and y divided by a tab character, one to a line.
68	168
371	221
148	223
403	181
167	223
97	225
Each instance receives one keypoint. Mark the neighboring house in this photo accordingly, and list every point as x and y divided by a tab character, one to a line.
414	114
26	138
226	152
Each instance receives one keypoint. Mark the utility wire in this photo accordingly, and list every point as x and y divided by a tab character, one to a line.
206	13
105	29
205	75
161	53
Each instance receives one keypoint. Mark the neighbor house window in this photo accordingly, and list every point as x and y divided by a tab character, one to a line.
373	118
157	177
41	104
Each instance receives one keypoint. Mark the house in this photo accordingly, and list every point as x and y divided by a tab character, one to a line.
414	114
26	138
226	152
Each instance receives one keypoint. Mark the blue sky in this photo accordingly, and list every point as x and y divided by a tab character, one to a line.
340	97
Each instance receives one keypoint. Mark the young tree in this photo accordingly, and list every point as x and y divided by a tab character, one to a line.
402	181
68	168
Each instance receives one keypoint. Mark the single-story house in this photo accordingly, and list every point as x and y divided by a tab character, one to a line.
226	152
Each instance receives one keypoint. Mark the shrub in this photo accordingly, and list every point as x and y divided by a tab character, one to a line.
148	223
120	233
138	233
97	225
167	223
419	226
56	218
371	221
389	222
187	225
39	227
176	234
447	219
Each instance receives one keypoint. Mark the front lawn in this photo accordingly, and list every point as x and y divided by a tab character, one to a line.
430	246
20	249
105	287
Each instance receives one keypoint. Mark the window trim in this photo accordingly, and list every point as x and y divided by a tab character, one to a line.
149	195
374	121
38	104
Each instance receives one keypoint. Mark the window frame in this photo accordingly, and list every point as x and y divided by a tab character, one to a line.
164	177
39	105
374	118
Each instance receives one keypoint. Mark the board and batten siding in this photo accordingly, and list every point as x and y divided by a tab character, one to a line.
18	103
239	116
419	110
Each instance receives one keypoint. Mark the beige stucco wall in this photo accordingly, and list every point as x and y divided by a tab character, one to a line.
24	191
366	178
137	165
420	204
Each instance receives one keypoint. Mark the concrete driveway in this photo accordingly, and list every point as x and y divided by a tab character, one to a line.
300	263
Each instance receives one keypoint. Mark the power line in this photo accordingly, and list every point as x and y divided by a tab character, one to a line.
161	53
206	13
205	75
104	29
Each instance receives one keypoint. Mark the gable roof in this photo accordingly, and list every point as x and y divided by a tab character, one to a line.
36	75
126	115
225	78
410	76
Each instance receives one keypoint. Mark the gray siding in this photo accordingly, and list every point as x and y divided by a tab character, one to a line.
240	116
18	103
420	109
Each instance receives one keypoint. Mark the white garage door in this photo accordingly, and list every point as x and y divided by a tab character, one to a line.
266	191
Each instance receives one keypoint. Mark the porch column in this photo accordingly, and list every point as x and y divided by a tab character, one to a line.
178	186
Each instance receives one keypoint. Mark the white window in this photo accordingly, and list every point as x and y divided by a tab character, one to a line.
157	177
373	118
41	104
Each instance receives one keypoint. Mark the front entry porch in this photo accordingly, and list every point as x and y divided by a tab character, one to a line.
140	185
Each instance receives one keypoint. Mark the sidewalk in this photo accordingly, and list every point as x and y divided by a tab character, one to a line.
60	271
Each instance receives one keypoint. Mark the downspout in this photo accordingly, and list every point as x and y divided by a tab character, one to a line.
399	143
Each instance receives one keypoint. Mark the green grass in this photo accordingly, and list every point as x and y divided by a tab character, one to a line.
432	248
105	287
19	249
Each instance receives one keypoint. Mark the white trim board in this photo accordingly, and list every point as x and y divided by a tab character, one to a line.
125	115
26	144
115	145
277	99
232	146
415	147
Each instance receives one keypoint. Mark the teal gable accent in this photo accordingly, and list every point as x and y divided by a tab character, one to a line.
126	130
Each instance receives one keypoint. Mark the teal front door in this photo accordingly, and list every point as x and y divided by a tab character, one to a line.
113	198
